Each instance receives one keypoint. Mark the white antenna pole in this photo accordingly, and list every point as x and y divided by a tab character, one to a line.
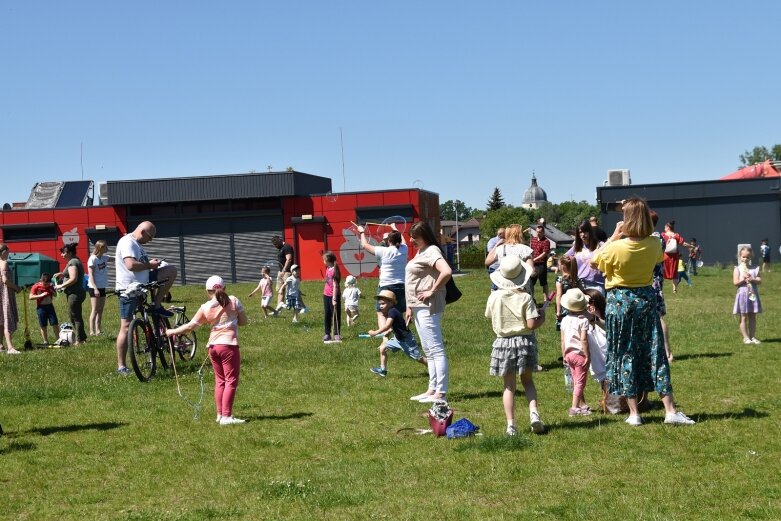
344	179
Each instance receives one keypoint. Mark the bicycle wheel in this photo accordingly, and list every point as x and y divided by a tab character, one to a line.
186	345
141	349
165	343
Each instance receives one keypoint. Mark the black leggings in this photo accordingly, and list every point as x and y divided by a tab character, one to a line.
328	320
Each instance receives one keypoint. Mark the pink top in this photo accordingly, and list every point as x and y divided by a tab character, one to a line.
328	289
571	326
225	325
265	287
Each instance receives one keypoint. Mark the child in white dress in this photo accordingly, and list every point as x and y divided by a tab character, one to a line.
351	294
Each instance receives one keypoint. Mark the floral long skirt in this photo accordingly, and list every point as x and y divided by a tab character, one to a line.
636	360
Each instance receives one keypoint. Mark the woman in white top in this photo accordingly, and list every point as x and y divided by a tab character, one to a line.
97	282
425	278
392	260
512	244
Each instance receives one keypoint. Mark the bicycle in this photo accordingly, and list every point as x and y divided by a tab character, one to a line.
146	339
184	345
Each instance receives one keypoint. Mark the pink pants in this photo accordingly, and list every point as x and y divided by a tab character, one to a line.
226	362
579	369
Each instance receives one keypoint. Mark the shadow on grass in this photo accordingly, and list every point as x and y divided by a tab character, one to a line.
746	413
594	421
771	340
17	447
291	416
46	431
478	396
695	356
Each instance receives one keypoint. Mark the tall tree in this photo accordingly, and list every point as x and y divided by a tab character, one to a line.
496	201
760	155
448	210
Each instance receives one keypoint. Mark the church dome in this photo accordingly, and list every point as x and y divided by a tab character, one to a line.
534	196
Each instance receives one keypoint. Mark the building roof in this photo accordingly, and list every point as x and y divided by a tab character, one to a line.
534	194
216	187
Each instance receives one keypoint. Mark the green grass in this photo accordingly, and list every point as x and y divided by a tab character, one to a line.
327	439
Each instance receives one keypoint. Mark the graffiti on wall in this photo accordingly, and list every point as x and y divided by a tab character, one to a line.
356	260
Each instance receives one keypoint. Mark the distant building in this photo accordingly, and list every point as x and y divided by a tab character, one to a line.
219	224
719	214
468	231
534	197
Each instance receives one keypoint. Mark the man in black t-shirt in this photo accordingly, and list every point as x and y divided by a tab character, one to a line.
285	258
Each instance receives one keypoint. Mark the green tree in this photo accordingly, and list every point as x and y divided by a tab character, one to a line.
500	218
448	209
760	155
496	201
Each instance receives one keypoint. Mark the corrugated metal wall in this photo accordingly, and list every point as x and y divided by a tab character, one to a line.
719	214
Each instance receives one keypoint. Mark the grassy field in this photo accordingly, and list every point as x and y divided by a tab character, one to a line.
327	439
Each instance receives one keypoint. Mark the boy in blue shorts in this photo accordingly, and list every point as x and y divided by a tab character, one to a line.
402	338
42	293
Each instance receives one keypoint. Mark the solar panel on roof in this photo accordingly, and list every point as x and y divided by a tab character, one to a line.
74	193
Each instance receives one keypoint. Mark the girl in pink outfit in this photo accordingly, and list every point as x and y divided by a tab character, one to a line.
224	314
332	304
265	286
574	347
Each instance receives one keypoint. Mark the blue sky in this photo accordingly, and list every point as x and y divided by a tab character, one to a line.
457	97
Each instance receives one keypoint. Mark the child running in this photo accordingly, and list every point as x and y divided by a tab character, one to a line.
747	303
682	272
265	287
224	314
402	337
293	286
514	317
42	292
332	303
351	295
575	349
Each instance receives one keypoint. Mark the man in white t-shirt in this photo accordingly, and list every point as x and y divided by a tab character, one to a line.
133	265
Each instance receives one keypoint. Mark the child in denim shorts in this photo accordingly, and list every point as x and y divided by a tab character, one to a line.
401	339
42	292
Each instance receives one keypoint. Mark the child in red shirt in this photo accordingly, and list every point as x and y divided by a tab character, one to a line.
42	292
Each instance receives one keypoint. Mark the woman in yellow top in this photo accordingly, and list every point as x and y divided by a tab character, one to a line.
636	360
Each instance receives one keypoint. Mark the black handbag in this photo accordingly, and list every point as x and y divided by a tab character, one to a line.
452	293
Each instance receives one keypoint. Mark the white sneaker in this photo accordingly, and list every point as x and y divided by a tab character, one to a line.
535	423
755	341
219	418
678	419
230	420
747	341
634	421
418	397
429	398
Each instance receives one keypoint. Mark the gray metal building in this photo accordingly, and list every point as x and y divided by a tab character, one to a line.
719	214
213	224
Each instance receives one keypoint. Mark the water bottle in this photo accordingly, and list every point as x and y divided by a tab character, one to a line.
567	378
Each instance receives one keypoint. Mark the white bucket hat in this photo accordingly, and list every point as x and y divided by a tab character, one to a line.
511	273
574	300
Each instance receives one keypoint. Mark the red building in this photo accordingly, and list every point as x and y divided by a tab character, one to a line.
223	224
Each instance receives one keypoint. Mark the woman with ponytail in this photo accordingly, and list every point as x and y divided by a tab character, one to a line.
224	313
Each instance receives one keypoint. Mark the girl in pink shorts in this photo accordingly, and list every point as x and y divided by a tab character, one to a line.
224	314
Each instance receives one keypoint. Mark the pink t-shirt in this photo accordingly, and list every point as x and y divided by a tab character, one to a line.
225	325
571	327
265	287
328	289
